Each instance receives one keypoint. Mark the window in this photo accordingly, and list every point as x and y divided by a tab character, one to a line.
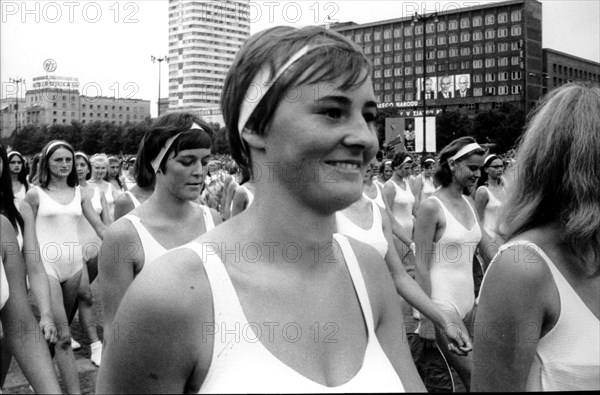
477	35
387	86
516	75
407	44
358	38
502	32
464	23
377	49
419	70
377	86
515	45
477	49
490	62
442	67
489	19
377	36
465	37
83	114
515	30
398	96
409	96
515	60
478	92
387	60
441	53
398	32
418	29
464	65
408	70
397	46
418	43
490	47
490	90
367	37
408	31
441	26
398	85
515	16
453	66
453	39
106	107
430	41
465	51
477	78
377	61
377	73
490	33
408	84
453	52
419	56
503	76
503	90
398	71
490	77
477	20
387	72
502	17
368	49
430	54
515	89
430	28
503	61
441	40
477	64
453	25
502	47
397	58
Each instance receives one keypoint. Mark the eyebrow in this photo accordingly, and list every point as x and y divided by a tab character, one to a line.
344	101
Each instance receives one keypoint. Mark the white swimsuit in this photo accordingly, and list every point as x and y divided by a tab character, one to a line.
89	239
403	205
244	365
373	236
379	198
491	213
134	200
4	291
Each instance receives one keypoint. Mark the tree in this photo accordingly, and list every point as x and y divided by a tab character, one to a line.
501	127
449	126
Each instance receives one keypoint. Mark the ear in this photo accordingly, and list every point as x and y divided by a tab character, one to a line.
451	164
253	140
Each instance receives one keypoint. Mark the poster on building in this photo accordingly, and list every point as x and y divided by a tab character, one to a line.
394	131
445	87
463	85
429	134
430	88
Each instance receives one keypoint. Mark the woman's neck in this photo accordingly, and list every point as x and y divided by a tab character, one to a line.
398	178
83	182
494	182
14	177
455	190
58	183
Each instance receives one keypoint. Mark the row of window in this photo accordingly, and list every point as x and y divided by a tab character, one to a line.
442	26
477	78
418	70
477	91
574	73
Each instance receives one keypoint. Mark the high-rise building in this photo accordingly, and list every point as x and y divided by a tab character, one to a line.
204	38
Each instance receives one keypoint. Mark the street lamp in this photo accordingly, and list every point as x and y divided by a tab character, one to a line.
159	60
17	82
424	18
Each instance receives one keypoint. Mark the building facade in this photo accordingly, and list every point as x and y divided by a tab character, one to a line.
204	38
561	68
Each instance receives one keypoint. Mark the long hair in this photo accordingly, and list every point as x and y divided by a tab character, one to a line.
83	156
335	57
44	170
557	175
113	159
22	176
7	198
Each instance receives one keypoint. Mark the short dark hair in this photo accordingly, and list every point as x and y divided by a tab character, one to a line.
399	158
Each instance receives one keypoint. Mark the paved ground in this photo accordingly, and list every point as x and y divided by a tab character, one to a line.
17	384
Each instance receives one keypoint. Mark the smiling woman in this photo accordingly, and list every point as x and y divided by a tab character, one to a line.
305	309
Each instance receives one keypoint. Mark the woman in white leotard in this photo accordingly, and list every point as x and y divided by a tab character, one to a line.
541	293
280	261
18	174
57	204
177	149
90	245
372	190
138	192
490	195
424	184
447	232
99	170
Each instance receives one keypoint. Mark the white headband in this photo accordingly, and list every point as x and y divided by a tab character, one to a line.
262	82
407	159
429	160
161	155
488	158
464	150
11	153
54	144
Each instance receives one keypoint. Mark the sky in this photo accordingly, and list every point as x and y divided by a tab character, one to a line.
108	44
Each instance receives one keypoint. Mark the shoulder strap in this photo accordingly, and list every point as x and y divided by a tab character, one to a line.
358	280
143	233
134	200
208	219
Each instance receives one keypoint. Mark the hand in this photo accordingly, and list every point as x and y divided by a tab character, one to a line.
48	328
457	335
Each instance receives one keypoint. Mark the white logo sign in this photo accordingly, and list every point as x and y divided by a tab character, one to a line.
50	65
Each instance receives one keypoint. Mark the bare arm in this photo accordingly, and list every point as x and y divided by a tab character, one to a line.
162	350
37	274
425	228
417	191
239	201
481	200
516	297
31	354
408	288
389	194
123	205
104	215
120	251
91	216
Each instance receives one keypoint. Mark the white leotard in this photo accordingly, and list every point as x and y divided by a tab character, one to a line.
451	273
403	205
379	198
89	239
4	290
134	200
110	200
373	236
491	213
56	229
150	246
20	194
242	364
567	358
427	188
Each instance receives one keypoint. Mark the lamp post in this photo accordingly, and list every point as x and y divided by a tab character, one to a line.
424	18
159	60
17	82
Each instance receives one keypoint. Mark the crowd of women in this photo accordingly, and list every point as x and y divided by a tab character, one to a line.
285	269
